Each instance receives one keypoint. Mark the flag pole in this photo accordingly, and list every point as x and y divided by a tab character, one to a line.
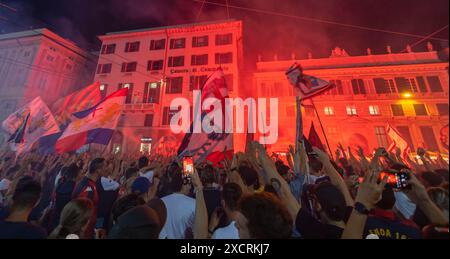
299	124
323	130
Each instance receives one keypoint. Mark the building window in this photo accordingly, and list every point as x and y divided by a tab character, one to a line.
406	85
229	80
374	110
429	138
178	43
197	82
351	110
406	134
176	61
338	89
148	121
130	91
146	145
129	67
158	44
154	65
224	58
224	39
435	84
329	111
132	46
420	109
103	90
442	109
397	110
104	68
199	60
167	116
358	86
151	92
174	85
422	85
380	133
109	49
384	86
200	41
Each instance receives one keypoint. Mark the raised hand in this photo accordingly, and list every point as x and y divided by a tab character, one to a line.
369	191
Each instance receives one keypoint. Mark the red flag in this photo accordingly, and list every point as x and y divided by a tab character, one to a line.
211	146
75	102
314	138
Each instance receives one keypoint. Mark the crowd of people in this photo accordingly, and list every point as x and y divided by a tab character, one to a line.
253	195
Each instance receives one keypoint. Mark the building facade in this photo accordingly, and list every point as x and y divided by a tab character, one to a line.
408	91
40	63
159	65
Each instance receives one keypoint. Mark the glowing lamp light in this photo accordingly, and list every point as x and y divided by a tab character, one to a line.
407	95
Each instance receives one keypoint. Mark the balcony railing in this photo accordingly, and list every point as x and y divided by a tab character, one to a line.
144	107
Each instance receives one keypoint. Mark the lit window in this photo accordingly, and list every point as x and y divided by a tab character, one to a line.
102	87
146	145
329	111
374	110
351	110
127	86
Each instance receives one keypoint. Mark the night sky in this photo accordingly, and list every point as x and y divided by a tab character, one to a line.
82	20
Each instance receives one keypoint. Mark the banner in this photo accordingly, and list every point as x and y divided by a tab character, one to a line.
39	122
306	86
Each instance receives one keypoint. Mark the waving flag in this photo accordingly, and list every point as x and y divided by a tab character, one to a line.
212	147
397	141
306	86
63	110
94	125
314	138
87	97
29	123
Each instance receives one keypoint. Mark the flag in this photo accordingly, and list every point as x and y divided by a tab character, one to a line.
64	108
94	125
30	123
212	147
18	136
314	138
306	86
81	100
397	141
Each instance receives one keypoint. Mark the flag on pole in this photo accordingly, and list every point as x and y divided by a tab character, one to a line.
30	123
94	125
214	146
314	138
397	141
306	86
63	110
81	100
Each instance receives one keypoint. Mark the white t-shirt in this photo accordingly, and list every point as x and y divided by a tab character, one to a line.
180	216
228	232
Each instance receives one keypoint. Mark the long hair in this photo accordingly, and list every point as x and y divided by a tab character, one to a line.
74	217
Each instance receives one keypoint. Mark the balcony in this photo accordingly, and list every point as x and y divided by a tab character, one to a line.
140	107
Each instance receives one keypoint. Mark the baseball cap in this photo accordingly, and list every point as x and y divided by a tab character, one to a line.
140	185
